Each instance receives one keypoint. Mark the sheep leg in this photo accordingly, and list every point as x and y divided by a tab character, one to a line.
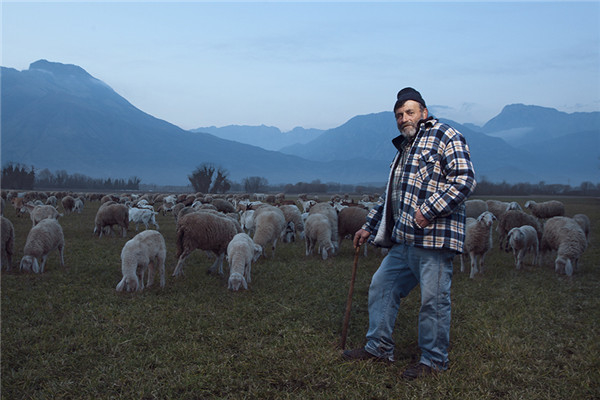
247	272
141	271
481	257
44	258
473	265
462	263
179	268
161	271
151	272
217	265
61	250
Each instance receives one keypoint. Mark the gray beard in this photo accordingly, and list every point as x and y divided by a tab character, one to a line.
409	132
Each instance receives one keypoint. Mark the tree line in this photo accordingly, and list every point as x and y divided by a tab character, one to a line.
18	176
210	178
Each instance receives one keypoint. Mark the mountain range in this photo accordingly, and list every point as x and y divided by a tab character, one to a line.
57	116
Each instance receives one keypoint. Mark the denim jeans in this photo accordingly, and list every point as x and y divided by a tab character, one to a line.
400	271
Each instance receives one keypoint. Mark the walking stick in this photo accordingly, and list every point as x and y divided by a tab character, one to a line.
349	302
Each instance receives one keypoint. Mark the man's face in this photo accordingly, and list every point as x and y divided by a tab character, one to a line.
407	117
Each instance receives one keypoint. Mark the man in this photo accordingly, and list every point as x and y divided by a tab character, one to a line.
421	218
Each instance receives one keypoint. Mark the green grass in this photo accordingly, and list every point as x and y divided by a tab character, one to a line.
528	334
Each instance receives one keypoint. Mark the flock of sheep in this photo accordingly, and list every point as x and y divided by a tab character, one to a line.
545	229
240	229
234	227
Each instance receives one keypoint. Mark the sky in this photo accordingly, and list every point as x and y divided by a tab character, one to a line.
317	64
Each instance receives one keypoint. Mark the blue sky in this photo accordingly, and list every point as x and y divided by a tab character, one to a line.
317	64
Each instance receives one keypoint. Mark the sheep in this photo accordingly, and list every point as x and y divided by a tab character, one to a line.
8	243
18	203
564	235
145	252
318	232
522	240
38	213
247	221
583	221
474	208
43	238
498	208
327	210
350	220
223	205
68	204
78	206
547	209
292	214
241	253
143	215
51	201
110	214
269	225
204	231
513	219
478	240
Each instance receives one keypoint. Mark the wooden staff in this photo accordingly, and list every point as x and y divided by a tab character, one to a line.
349	302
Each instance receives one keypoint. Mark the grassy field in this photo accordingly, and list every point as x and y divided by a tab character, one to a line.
528	334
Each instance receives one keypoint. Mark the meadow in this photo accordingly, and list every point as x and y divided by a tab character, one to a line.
66	333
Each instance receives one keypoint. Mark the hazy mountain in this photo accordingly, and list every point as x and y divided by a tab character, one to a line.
569	158
59	117
522	125
267	137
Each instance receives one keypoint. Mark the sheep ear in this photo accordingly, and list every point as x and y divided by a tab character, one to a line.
244	283
35	266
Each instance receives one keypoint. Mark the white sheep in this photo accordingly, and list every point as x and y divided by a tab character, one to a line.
478	240
142	215
547	209
40	212
52	201
583	221
204	231
269	225
564	235
110	214
241	253
7	237
145	252
522	240
78	206
318	232
513	219
327	210
474	208
43	238
247	221
292	214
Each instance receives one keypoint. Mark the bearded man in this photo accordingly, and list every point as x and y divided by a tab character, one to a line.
421	219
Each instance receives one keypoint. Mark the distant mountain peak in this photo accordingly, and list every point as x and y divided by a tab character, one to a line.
59	69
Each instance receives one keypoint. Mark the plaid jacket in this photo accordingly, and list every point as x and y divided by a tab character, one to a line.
436	178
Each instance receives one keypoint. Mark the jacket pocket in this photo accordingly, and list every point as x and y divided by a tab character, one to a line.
428	166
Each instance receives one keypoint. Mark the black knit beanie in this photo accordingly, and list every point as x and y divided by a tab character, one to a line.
408	93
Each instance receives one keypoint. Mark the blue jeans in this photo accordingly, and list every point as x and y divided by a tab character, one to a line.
400	271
